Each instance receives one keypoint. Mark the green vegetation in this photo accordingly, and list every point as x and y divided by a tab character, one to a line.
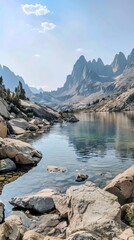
30	114
12	97
130	216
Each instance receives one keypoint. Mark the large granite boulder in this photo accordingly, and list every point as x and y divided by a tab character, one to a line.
4	109
93	210
40	111
7	165
20	152
123	186
18	125
40	202
3	128
1	212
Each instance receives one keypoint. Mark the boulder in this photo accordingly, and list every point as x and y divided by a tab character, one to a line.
73	119
1	212
17	215
21	152
9	231
55	169
40	111
123	186
33	127
32	235
40	202
3	128
16	220
60	202
4	108
18	125
7	165
93	210
46	223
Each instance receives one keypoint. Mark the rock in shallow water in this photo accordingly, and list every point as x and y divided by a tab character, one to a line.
40	202
21	152
81	178
55	169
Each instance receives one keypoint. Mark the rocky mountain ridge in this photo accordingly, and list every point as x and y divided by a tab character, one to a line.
91	81
88	82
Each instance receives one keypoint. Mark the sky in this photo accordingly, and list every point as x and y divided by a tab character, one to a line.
41	40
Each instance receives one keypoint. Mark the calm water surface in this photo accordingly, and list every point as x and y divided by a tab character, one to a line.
100	145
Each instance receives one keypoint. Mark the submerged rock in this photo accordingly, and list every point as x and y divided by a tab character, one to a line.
21	152
123	186
40	202
55	169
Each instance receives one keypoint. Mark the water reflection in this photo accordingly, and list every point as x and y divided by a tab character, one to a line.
98	132
100	145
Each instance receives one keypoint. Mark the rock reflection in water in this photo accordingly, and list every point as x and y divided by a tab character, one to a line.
101	145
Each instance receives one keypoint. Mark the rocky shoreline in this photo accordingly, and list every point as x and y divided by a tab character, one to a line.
83	212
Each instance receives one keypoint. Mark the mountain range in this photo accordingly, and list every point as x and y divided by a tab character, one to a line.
89	81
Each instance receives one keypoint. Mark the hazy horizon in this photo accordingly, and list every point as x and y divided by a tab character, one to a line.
41	40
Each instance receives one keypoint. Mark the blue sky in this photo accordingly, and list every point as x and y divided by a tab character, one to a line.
41	39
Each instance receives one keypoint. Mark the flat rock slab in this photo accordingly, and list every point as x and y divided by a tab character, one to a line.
22	152
7	165
123	186
18	125
92	209
40	202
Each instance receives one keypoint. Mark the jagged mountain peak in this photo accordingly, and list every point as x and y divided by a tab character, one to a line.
130	59
119	63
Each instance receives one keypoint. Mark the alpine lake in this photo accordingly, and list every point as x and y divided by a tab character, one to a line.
100	145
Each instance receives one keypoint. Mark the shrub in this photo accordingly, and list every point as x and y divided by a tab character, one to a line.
30	114
130	216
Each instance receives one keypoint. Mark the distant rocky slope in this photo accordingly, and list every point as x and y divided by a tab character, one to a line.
91	81
88	82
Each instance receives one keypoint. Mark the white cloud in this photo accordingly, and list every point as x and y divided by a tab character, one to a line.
37	55
46	26
35	9
79	50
